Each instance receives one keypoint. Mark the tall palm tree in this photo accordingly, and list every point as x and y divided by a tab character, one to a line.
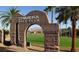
50	9
7	16
71	12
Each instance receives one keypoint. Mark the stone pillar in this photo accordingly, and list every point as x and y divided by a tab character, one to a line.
13	33
52	38
21	32
51	42
0	36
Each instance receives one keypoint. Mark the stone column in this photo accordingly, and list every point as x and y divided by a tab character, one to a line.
51	43
13	33
21	32
51	39
0	36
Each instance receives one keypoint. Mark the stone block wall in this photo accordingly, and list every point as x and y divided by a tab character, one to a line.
51	31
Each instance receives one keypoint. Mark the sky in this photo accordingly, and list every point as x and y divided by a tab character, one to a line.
23	10
26	9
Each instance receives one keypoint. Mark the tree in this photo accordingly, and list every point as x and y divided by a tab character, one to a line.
7	16
50	9
72	12
69	30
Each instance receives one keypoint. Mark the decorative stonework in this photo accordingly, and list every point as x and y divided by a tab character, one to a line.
20	25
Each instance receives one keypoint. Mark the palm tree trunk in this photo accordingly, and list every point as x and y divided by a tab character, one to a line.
73	48
52	16
66	30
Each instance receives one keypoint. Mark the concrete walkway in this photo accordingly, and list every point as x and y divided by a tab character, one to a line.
13	48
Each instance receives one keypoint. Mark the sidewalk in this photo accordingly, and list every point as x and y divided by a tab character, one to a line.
13	48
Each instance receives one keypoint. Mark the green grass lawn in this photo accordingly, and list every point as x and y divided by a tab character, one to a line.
36	38
39	39
67	41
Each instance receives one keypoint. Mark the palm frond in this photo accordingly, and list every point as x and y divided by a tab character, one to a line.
6	17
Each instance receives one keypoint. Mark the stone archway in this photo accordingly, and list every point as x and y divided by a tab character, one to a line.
21	23
35	37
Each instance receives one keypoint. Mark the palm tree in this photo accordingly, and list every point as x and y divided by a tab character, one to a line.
65	13
50	9
7	16
65	22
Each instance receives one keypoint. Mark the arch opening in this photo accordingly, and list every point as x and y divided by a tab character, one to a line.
35	38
